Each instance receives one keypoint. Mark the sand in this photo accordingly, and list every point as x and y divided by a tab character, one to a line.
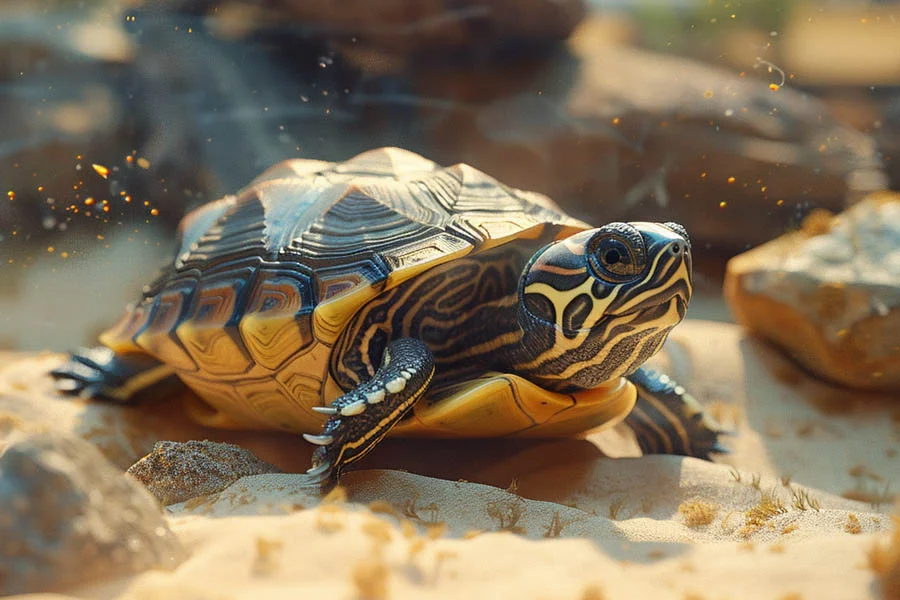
792	512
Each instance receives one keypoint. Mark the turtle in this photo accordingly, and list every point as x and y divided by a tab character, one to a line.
346	300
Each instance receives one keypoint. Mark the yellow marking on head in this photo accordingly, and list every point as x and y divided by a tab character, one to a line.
599	306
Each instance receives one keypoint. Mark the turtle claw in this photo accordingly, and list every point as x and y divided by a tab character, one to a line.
325	410
354	409
318	440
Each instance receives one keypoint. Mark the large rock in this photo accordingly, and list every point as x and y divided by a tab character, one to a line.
70	518
829	294
615	132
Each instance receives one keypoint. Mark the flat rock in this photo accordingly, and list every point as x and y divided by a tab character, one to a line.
829	294
70	518
175	471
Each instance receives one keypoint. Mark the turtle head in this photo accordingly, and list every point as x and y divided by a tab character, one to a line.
598	304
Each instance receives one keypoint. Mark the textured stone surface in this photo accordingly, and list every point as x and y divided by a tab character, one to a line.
70	518
175	471
829	294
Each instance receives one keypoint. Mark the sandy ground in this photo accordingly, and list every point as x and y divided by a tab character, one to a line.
792	512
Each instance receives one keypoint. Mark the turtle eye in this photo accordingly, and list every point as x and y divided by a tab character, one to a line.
614	259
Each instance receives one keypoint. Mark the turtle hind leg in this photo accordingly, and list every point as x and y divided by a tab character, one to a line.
100	373
668	420
361	418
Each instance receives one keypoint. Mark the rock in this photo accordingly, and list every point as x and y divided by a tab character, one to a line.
402	26
829	294
614	132
175	471
70	518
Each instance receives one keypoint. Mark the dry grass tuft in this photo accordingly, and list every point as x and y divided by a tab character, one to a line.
852	525
507	514
698	512
769	505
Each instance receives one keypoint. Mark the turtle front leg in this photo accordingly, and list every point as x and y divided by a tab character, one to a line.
667	420
361	418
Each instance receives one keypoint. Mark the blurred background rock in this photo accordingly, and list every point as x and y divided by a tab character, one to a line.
734	118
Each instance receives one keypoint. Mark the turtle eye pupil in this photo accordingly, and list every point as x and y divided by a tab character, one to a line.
611	257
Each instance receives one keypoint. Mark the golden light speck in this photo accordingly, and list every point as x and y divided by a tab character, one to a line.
154	212
780	202
128	199
143	163
51	249
89	201
99	236
64	254
616	120
129	159
731	180
11	195
723	204
40	188
708	94
823	148
763	189
703	175
101	170
146	203
774	87
105	208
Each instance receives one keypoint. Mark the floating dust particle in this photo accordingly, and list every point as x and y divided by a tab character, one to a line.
698	512
472	534
852	525
64	254
11	195
616	120
370	576
708	94
731	180
267	551
101	170
143	163
154	212
89	201
723	204
51	249
774	87
593	592
383	507
703	175
790	528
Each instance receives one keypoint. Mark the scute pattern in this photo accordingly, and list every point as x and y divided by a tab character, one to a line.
264	282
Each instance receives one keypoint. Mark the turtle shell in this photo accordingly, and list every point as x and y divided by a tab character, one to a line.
264	282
